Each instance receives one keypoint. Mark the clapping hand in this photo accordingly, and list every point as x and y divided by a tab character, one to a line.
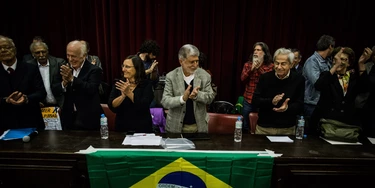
194	93
186	93
154	63
283	107
365	55
17	98
277	98
123	87
67	74
255	65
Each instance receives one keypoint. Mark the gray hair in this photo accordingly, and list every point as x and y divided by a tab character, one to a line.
284	51
8	39
187	50
82	45
39	43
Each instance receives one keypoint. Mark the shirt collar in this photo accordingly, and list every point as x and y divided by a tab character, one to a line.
40	65
287	75
13	66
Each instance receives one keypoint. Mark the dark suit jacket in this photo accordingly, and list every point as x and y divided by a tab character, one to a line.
84	94
333	104
54	66
26	79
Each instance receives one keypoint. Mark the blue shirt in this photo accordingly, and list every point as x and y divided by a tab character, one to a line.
314	65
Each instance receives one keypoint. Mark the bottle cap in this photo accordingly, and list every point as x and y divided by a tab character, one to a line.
102	115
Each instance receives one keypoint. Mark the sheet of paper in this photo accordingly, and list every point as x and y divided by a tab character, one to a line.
142	139
372	140
280	139
341	143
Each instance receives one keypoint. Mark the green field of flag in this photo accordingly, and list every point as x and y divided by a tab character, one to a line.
174	169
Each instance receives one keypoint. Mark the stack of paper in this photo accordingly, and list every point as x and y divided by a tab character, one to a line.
142	139
280	139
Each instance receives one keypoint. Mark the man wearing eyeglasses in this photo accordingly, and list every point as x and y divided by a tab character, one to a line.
317	63
79	82
21	90
48	68
187	92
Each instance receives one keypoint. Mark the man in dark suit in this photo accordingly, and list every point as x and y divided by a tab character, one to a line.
79	84
296	61
21	90
49	70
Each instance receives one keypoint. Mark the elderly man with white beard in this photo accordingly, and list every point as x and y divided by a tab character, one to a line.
259	63
187	92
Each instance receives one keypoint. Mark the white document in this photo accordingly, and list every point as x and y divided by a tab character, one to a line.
142	139
341	143
372	140
280	139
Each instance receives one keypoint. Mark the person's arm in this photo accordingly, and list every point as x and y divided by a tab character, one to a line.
246	72
362	60
205	94
311	70
169	100
259	100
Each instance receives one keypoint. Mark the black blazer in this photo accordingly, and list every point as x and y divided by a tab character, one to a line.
134	116
84	94
333	104
54	72
26	79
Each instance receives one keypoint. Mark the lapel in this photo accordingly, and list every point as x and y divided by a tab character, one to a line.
85	69
18	74
338	87
180	81
53	70
197	79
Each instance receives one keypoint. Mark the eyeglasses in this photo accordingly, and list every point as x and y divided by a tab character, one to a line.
6	47
126	66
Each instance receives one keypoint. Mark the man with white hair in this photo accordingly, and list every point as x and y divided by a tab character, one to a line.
187	92
79	83
279	96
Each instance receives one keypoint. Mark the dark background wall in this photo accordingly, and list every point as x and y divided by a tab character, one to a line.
225	30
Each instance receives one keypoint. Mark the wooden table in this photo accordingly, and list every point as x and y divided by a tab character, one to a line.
50	159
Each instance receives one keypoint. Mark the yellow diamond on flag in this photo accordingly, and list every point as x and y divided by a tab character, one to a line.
180	174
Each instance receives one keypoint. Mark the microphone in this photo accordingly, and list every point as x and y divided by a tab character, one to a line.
27	138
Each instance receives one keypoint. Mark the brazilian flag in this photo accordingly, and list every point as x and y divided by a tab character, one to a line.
178	169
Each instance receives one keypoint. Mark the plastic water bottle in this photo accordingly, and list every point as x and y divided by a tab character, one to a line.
103	127
300	128
238	130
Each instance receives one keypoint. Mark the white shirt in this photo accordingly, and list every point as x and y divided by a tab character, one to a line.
44	71
13	66
187	79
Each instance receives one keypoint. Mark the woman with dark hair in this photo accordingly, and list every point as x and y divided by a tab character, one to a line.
131	97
